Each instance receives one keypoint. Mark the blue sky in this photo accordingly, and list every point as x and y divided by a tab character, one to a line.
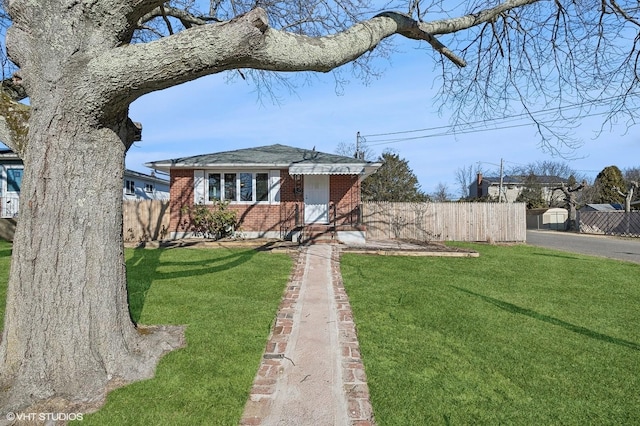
212	114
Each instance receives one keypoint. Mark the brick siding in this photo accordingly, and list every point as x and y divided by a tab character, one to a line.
344	192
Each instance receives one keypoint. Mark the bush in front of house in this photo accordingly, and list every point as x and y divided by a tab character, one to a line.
215	221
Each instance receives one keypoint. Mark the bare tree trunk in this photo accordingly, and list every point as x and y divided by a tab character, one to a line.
67	330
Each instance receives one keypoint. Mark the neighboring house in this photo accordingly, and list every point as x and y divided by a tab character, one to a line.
11	170
615	207
277	191
141	186
512	187
136	186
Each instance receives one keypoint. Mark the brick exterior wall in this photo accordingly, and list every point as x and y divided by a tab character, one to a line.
180	194
344	193
282	218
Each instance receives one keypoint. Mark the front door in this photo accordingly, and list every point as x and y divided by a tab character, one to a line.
316	199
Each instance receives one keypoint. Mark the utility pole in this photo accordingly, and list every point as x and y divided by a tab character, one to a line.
501	180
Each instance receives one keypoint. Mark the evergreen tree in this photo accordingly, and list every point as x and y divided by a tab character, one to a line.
394	181
607	183
532	193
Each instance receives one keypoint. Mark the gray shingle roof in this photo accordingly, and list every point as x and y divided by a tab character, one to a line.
270	155
522	179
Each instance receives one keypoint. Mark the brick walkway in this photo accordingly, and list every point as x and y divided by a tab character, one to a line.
311	366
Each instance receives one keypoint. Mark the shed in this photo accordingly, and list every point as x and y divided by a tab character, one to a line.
552	218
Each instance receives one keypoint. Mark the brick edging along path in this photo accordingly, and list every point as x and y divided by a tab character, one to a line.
354	378
272	367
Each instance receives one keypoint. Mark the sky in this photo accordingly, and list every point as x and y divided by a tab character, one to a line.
212	115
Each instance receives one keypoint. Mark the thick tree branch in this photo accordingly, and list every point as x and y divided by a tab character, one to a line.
448	26
139	8
245	42
413	29
186	18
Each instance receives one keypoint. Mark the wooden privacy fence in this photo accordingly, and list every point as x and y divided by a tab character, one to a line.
499	222
145	220
610	223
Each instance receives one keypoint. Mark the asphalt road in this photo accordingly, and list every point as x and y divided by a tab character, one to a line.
595	245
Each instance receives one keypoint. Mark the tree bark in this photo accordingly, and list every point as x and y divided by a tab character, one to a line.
68	335
67	330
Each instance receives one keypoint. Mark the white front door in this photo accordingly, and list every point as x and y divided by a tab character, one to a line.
316	199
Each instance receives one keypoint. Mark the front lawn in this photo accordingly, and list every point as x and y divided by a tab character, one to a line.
520	335
227	299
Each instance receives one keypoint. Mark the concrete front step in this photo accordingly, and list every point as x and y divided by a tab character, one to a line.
332	233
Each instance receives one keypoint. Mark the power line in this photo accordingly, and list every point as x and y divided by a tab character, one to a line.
513	117
451	131
473	127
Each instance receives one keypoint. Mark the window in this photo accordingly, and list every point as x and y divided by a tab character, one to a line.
230	186
14	180
148	187
262	186
246	186
130	187
241	187
214	186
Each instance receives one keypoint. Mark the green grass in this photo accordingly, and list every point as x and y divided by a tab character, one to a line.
520	335
5	263
228	300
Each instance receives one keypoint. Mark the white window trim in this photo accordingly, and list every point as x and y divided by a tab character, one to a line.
126	187
201	186
5	179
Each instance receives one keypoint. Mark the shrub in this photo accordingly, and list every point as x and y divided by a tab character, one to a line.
211	222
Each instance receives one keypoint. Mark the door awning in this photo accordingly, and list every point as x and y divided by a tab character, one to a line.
332	169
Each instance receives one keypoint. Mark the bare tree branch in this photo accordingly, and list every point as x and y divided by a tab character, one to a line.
245	42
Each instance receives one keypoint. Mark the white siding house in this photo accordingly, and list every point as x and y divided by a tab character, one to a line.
137	186
141	186
512	186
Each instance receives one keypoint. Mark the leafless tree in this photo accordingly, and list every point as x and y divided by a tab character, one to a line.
465	176
559	169
571	201
67	331
441	194
349	149
628	196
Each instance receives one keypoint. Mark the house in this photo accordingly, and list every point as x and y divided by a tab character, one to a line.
141	186
614	207
136	186
277	191
512	187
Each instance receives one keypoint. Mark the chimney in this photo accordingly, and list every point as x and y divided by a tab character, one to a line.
479	185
